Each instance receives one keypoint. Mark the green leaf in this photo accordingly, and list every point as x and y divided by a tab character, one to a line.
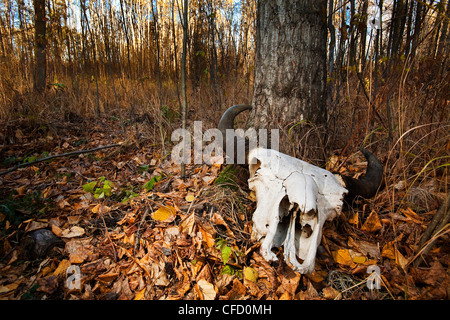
226	253
220	243
107	187
89	187
149	185
228	270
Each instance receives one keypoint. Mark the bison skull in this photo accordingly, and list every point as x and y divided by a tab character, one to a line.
294	199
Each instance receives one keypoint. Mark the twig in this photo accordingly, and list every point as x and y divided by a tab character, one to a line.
58	156
110	241
139	232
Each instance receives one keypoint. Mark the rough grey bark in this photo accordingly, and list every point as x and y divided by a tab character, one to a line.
290	74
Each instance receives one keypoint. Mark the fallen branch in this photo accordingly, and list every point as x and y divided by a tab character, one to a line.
58	156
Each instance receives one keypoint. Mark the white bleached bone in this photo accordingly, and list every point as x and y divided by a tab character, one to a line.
294	199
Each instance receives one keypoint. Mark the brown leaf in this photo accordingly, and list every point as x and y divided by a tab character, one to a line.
48	284
268	270
289	280
331	293
72	232
237	292
218	220
207	289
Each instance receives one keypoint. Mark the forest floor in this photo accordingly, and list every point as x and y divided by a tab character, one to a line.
123	220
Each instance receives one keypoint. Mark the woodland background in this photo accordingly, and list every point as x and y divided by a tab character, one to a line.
113	76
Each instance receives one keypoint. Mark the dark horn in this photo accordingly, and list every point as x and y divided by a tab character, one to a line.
367	185
227	122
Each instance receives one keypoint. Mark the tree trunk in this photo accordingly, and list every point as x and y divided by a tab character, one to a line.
40	67
185	23
290	74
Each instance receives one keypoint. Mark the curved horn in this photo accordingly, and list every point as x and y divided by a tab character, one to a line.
227	122
368	184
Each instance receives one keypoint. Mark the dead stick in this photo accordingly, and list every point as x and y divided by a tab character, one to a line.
58	156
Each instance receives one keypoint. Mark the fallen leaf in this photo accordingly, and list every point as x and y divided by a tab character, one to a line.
209	179
400	259
388	250
354	219
62	267
56	230
217	219
343	257
251	274
101	209
187	224
164	214
207	289
208	235
79	250
48	284
72	232
331	293
372	223
237	292
285	296
35	225
108	277
21	190
359	259
140	295
190	198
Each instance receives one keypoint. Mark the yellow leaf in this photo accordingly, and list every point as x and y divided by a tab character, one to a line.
285	296
343	257
190	198
359	259
164	214
62	267
250	274
354	219
101	209
372	223
140	295
208	235
388	250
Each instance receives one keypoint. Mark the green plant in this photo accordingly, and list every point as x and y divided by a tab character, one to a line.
149	185
227	253
99	188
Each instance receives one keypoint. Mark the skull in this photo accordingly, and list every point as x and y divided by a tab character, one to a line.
294	199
